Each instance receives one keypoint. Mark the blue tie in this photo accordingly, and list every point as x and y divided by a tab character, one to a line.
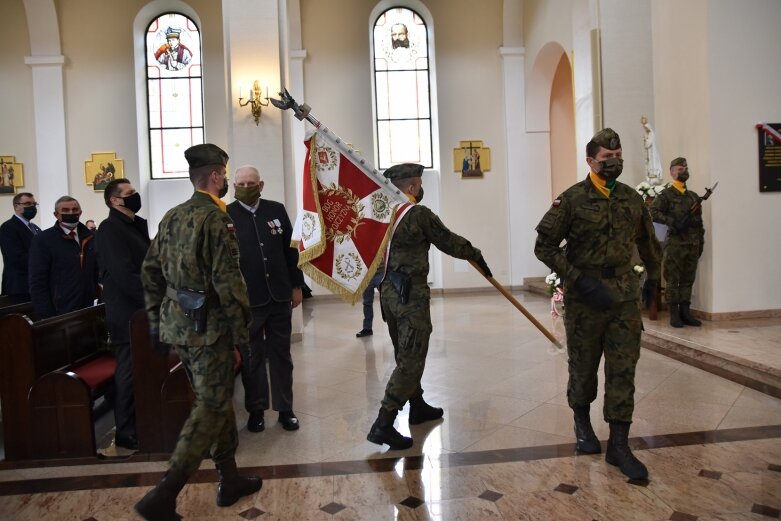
33	228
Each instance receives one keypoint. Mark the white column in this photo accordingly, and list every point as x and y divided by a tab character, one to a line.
513	70
50	150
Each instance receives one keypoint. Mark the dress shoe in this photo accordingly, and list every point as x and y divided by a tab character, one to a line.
255	422
364	332
288	420
130	442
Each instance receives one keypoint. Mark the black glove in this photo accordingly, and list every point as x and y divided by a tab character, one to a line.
649	292
682	223
594	292
160	347
484	267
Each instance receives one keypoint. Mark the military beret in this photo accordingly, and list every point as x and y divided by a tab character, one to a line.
678	161
607	138
404	171
205	155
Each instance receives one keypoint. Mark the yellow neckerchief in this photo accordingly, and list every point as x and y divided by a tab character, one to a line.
411	198
217	201
599	184
681	187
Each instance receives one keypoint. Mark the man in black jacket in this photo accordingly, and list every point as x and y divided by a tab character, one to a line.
274	282
16	234
63	266
122	241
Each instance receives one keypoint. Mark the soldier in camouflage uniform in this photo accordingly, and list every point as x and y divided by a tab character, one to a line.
603	222
685	240
196	255
405	296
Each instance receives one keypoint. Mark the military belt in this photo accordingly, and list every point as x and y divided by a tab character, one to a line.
607	272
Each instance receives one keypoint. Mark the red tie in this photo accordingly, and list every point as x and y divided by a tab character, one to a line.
72	234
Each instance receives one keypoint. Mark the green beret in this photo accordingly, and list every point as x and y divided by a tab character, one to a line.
607	138
205	155
404	171
678	161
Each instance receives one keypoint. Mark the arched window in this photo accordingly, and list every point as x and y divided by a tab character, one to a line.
174	93
402	92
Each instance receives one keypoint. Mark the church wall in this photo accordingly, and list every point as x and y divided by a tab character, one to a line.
627	80
100	108
744	78
17	134
707	80
338	87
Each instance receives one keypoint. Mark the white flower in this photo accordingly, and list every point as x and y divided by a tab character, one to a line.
659	189
639	268
550	279
558	281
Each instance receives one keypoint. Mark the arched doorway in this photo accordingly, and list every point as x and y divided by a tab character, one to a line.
563	156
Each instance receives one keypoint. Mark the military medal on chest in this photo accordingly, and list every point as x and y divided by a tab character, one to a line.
275	226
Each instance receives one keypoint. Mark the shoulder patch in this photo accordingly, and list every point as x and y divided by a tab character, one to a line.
556	203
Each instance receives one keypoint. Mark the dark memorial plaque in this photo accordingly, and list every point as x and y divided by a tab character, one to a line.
769	160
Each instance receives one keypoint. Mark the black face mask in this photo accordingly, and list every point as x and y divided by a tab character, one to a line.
70	219
419	197
224	189
611	168
29	212
683	176
133	202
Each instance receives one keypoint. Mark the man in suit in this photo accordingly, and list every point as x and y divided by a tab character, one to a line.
122	241
63	265
270	269
16	234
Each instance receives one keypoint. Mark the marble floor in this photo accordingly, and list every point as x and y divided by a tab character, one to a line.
504	450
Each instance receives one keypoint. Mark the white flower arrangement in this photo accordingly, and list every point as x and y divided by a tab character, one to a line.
647	190
639	269
556	293
553	281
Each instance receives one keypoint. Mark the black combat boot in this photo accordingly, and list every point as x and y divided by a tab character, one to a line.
233	487
675	315
420	411
382	431
159	504
619	454
586	441
686	315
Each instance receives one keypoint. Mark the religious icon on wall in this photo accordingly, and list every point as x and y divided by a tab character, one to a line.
11	175
103	168
471	158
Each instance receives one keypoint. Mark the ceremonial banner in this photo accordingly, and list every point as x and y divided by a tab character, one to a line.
347	218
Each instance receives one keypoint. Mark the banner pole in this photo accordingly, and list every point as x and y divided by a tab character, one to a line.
519	306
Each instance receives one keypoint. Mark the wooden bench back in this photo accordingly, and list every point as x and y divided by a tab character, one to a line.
30	350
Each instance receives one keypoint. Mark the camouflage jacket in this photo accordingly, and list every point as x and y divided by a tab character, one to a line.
601	233
196	249
419	229
671	205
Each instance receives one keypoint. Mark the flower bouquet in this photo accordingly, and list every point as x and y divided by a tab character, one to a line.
647	190
556	293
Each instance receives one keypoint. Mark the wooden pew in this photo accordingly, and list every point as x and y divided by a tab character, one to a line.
25	308
51	371
162	391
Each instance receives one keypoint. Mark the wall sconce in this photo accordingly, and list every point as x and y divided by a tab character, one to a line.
254	101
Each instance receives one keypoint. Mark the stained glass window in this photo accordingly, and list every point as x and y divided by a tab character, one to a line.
402	93
174	93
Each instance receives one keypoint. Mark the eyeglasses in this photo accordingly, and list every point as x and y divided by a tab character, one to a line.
26	205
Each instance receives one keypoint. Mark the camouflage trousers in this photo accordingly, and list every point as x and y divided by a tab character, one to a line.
409	326
614	333
212	422
680	269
